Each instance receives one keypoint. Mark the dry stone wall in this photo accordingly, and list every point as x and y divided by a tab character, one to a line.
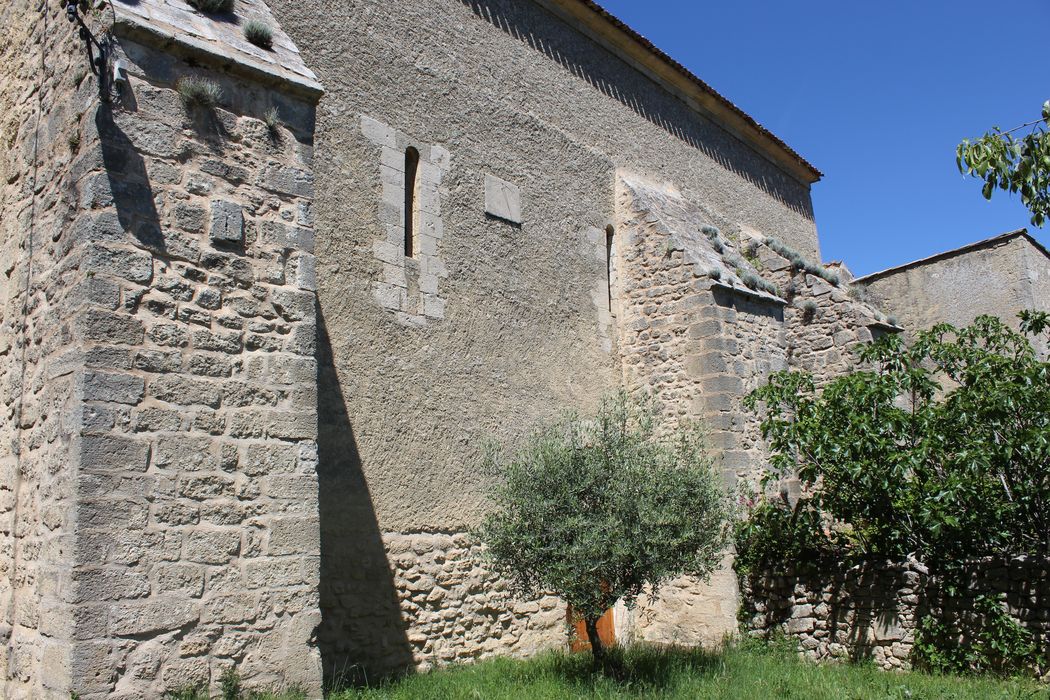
450	607
873	610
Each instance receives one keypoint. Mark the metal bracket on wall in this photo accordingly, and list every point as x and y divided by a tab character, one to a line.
97	51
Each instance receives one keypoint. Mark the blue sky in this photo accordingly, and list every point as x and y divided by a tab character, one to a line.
876	95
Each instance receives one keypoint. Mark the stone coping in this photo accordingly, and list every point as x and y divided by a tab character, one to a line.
218	40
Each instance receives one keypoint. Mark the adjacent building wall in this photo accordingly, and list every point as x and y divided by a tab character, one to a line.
1001	276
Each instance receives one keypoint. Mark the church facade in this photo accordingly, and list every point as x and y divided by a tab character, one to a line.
261	305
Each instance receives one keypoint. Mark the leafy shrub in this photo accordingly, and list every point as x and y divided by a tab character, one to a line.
949	475
258	33
198	92
985	640
941	451
599	510
771	536
213	6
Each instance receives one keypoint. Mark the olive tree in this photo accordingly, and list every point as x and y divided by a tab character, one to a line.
600	510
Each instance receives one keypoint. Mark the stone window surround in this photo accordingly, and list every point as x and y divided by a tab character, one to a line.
409	287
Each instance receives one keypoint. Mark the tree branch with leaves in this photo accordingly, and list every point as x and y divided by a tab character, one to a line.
1016	165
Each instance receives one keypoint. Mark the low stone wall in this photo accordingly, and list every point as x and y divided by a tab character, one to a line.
425	599
872	610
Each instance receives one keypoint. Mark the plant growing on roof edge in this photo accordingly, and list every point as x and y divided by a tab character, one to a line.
212	7
258	33
272	120
599	510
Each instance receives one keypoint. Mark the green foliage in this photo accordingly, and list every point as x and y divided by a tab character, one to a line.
230	688
984	640
1014	165
948	473
188	692
230	684
198	92
598	510
259	33
772	536
213	6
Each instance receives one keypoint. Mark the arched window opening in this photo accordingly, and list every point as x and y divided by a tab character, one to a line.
411	205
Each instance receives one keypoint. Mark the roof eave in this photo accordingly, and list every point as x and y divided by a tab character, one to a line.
628	44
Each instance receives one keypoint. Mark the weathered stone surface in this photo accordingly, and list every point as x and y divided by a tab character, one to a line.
227	222
502	199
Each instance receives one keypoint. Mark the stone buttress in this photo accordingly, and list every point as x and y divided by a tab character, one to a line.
180	297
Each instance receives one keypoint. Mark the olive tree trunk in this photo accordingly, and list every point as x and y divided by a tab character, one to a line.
597	650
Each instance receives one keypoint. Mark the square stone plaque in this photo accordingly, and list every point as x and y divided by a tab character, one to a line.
502	199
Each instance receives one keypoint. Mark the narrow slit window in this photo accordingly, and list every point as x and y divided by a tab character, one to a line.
411	205
610	266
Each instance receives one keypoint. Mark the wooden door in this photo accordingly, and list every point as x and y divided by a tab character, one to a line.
606	631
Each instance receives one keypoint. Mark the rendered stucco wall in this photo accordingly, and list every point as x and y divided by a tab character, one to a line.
1001	279
501	89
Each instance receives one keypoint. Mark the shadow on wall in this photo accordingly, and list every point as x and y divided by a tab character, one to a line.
363	637
128	182
616	80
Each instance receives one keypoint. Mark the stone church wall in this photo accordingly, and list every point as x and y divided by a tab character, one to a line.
519	324
165	521
40	391
229	469
704	317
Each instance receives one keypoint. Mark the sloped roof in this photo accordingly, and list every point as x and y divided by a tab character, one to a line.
654	209
757	134
219	39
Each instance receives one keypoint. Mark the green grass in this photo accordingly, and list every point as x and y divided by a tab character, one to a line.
750	672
